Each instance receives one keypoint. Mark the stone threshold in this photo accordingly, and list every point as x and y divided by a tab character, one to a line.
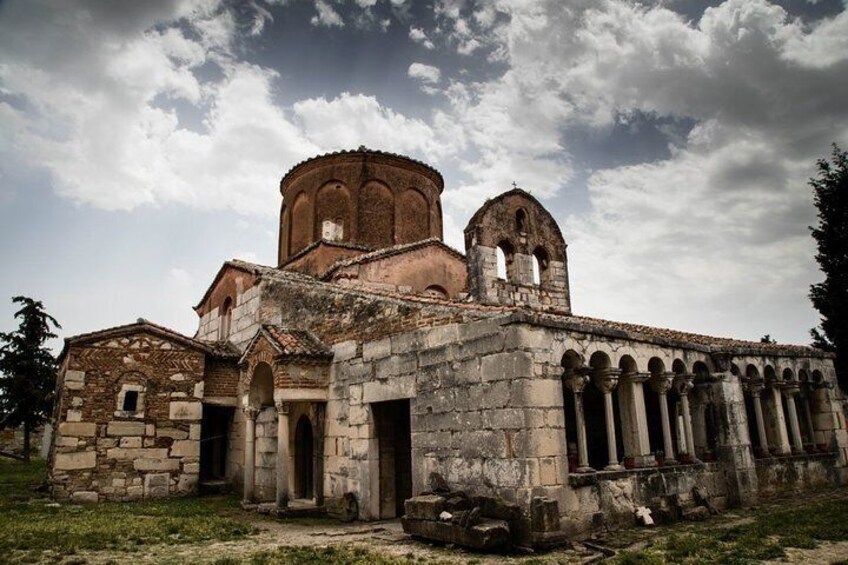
577	480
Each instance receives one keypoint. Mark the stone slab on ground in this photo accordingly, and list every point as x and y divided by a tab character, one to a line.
488	535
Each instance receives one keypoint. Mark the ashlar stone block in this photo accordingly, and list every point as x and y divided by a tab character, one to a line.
183	410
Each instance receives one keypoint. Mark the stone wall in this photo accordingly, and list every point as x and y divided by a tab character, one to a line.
101	451
12	440
244	321
798	474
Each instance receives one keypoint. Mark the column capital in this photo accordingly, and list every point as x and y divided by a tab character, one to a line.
636	377
755	387
661	382
606	379
791	388
283	408
684	383
577	380
251	413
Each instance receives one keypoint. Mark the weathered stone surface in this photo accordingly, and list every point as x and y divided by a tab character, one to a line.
78	429
156	485
424	507
119	428
488	535
172	433
85	497
185	448
147	464
76	460
182	410
544	515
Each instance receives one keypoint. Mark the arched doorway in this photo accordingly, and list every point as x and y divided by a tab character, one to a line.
303	459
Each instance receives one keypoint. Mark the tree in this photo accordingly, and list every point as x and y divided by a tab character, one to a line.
767	339
27	370
830	297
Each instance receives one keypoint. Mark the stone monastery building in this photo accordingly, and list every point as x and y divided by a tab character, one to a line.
373	355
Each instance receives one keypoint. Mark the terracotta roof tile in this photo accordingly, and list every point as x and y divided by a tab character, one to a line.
298	343
390	252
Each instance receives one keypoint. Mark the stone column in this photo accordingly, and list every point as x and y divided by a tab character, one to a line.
805	399
577	383
756	388
661	383
283	409
684	384
318	435
641	442
250	415
607	380
783	437
791	390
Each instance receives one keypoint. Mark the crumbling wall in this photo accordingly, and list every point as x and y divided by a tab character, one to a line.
797	474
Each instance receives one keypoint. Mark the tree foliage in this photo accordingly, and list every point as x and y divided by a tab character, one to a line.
768	339
27	369
830	297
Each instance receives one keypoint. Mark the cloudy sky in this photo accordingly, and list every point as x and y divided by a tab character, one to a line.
141	143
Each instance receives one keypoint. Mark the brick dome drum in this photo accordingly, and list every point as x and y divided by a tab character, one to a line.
366	198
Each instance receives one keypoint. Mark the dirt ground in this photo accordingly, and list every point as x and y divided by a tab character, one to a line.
387	538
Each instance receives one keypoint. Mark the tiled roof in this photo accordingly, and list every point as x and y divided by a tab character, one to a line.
217	349
390	252
327	242
298	343
362	150
576	323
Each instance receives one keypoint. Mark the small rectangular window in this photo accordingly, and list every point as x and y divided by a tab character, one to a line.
130	401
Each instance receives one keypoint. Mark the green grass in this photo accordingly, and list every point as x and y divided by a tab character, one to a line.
31	524
766	537
321	556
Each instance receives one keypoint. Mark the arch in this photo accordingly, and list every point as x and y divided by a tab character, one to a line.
627	364
599	360
261	386
376	224
818	378
333	203
701	371
770	375
283	243
656	366
678	367
300	223
789	375
752	372
521	220
541	262
436	291
413	217
571	360
226	317
505	253
803	376
734	370
304	458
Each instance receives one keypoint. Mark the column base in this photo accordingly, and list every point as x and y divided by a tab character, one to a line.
585	470
614	467
668	462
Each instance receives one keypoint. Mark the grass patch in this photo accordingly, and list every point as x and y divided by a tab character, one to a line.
30	526
332	555
766	537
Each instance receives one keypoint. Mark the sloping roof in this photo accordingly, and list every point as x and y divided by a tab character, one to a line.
232	263
289	343
326	242
576	323
390	252
364	151
223	350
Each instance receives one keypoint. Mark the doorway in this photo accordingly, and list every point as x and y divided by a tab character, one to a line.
395	448
304	455
214	429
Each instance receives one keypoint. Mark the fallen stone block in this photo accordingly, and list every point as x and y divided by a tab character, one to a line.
497	508
488	535
697	514
544	515
85	497
425	507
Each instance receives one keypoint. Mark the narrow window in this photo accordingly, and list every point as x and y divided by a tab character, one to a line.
540	266
521	221
130	401
226	319
501	264
537	275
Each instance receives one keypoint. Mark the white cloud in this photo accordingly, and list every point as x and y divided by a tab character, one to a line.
418	36
427	74
327	16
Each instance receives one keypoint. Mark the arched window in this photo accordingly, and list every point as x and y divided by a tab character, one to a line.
504	257
540	266
262	386
435	291
226	319
521	221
